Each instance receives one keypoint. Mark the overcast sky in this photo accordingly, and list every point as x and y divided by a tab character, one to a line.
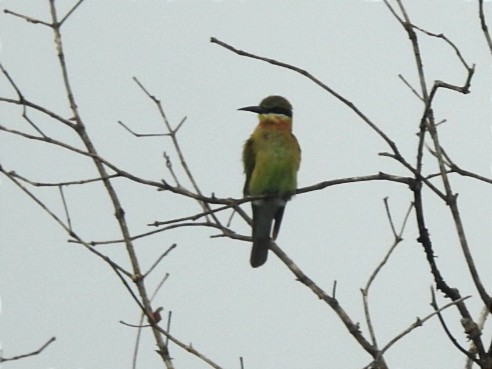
49	287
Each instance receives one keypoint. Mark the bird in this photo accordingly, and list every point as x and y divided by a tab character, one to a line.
271	159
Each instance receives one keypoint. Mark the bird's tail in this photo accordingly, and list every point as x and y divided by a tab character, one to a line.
259	253
263	214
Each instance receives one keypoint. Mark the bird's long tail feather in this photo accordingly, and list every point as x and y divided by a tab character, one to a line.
264	213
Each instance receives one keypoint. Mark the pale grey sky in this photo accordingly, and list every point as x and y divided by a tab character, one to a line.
49	287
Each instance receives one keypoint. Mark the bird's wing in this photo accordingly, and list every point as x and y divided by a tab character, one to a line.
299	152
249	163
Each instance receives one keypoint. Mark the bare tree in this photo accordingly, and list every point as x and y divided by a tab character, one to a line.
420	183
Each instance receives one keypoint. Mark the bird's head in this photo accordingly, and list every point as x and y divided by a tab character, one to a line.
272	105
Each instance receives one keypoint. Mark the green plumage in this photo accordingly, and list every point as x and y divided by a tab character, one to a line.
271	158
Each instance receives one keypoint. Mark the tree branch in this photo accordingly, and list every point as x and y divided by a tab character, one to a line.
34	353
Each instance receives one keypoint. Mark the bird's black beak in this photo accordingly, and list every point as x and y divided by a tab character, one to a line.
254	109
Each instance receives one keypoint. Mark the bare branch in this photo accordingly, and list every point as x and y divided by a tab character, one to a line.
95	156
27	18
390	218
469	355
26	103
418	323
169	166
65	207
34	353
70	13
352	327
410	87
112	194
442	36
141	134
179	343
365	290
193	217
319	83
174	226
21	98
168	326
177	147
483	24
12	83
428	124
159	259
37	201
190	349
142	317
59	184
484	314
66	227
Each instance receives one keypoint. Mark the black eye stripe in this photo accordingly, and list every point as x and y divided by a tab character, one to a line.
279	110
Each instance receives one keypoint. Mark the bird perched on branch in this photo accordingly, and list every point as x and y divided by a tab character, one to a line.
271	158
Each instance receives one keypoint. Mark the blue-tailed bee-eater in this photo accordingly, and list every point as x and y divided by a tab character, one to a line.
271	158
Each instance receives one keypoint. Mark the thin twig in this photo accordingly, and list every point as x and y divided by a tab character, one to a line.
484	314
69	13
365	291
193	217
26	103
172	134
390	218
418	323
34	353
169	166
177	147
65	207
483	24
442	36
127	286
21	99
332	302
168	325
142	316
141	134
410	87
190	349
179	343
12	83
453	340
455	168
27	18
229	233
60	184
65	227
96	157
159	259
